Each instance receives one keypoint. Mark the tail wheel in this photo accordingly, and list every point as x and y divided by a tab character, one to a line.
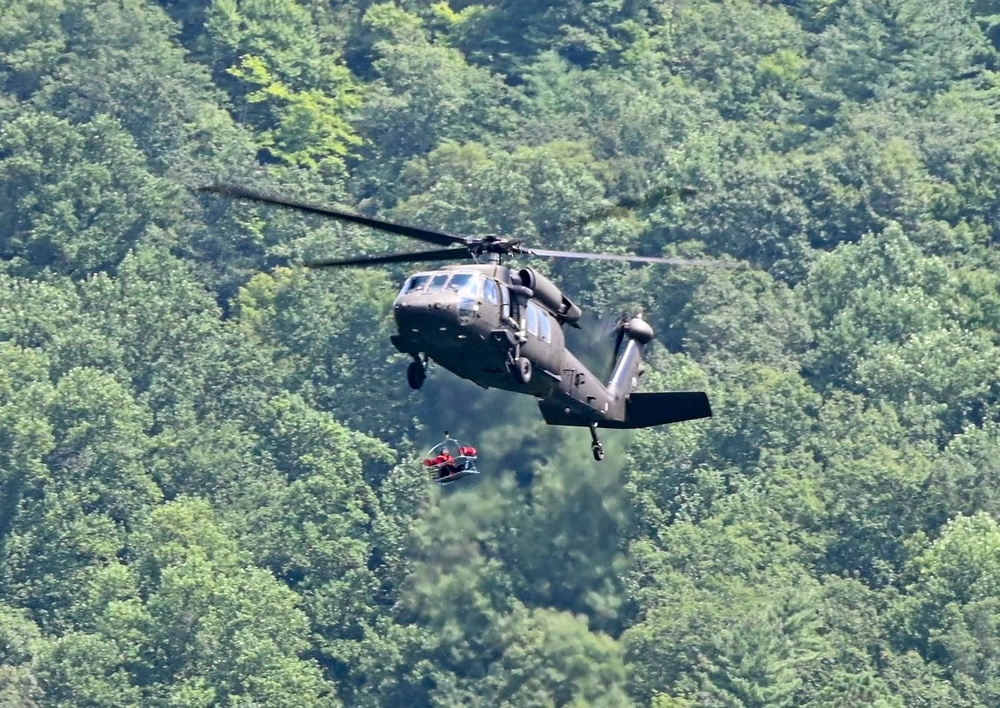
415	375
522	369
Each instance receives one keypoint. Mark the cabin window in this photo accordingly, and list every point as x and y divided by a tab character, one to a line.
533	319
490	293
546	327
507	306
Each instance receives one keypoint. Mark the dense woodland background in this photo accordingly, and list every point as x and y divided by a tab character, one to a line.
209	482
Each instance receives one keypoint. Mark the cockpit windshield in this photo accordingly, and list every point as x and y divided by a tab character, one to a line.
464	283
415	282
437	282
467	284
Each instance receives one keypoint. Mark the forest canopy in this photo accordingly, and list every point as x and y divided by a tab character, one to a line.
210	490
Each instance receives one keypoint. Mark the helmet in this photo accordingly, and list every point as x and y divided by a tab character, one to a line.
445	452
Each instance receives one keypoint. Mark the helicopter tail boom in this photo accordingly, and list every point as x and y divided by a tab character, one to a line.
635	334
626	408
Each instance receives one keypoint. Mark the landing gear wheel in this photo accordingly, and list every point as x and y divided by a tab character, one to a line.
522	370
415	375
595	445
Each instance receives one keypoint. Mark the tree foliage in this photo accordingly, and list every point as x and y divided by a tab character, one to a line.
210	489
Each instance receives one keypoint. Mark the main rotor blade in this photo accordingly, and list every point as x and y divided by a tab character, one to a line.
630	259
446	254
439	238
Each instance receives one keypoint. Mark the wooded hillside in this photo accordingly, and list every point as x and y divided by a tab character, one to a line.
210	490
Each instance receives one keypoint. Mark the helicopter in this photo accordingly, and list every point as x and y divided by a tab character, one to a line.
501	326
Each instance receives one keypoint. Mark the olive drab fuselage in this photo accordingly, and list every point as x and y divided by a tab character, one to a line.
475	319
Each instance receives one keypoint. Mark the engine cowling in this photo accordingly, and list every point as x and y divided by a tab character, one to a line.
546	292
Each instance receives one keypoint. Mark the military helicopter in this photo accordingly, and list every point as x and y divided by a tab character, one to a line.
502	327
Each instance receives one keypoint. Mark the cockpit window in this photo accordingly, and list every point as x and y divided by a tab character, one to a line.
415	283
490	292
437	283
464	283
467	284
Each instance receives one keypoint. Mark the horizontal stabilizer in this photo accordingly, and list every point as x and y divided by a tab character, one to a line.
642	410
645	409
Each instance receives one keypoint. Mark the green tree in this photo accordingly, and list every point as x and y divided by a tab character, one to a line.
733	645
20	641
332	333
85	669
746	316
553	658
290	82
75	199
425	93
85	60
898	48
212	629
876	471
951	612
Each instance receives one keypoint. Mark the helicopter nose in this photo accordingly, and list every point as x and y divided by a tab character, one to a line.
423	316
